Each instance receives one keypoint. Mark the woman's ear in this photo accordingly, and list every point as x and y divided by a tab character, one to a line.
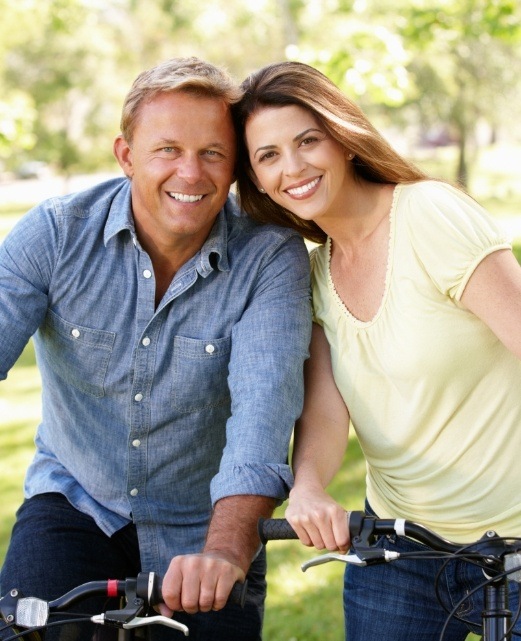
123	154
255	180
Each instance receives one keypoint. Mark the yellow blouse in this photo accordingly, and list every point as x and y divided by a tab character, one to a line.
434	397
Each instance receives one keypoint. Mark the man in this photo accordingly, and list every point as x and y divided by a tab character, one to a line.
170	335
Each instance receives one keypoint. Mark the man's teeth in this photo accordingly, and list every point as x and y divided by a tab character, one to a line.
298	191
185	198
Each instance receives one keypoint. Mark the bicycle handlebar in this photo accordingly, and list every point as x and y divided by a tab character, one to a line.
141	593
280	529
499	558
363	530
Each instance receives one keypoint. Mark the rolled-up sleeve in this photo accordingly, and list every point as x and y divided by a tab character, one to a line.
26	262
269	346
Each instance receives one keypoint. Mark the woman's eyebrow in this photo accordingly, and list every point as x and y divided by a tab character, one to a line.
295	139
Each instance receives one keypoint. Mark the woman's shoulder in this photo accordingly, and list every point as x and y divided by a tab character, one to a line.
432	190
319	256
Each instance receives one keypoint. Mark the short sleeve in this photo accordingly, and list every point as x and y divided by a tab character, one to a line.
450	233
319	263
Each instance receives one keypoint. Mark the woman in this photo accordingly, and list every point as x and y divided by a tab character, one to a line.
416	342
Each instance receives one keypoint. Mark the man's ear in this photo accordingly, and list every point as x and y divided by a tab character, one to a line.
123	154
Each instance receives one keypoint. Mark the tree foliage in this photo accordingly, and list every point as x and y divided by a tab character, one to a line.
65	65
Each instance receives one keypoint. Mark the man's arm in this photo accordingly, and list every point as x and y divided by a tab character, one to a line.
203	581
270	342
26	264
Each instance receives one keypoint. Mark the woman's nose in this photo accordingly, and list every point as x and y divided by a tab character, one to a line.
293	164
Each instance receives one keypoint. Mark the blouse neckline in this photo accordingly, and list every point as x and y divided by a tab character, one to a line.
390	258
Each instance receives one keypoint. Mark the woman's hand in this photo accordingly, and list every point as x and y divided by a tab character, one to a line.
318	520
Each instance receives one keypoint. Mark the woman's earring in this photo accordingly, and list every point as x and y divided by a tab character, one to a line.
351	156
262	191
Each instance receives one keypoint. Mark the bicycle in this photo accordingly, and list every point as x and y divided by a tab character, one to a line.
27	616
499	557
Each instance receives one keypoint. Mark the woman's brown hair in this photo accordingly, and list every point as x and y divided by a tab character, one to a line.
295	83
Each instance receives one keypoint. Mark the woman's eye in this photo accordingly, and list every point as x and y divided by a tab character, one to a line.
267	156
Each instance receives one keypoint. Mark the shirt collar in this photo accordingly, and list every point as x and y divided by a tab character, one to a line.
120	213
214	252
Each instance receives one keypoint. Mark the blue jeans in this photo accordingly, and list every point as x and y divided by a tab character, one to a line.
396	601
54	547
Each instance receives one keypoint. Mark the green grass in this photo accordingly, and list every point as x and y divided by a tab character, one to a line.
20	411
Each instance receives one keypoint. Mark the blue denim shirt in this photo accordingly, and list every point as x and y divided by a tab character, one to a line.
151	415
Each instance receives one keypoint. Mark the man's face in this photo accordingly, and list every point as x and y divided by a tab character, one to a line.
181	163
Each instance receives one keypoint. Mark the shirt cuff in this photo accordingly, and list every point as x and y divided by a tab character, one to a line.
259	479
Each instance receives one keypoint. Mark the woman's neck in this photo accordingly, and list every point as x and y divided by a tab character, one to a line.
367	206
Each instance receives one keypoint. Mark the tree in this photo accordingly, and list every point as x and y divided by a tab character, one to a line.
444	61
17	108
464	70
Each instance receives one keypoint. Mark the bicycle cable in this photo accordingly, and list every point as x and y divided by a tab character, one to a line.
452	614
52	624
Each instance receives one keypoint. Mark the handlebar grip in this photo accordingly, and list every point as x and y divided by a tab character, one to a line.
280	529
275	529
355	521
238	593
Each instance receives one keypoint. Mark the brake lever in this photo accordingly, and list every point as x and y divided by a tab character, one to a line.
351	558
333	556
139	622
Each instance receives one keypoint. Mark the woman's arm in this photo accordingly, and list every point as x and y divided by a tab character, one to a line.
320	442
493	294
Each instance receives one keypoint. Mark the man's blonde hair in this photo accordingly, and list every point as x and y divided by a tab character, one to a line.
190	75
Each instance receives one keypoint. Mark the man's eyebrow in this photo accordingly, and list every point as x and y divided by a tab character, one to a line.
298	137
216	145
168	142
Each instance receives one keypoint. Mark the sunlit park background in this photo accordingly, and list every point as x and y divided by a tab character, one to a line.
439	77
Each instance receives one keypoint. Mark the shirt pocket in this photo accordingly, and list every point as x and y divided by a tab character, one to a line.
79	355
200	376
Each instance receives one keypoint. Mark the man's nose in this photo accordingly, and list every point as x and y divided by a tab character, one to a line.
189	168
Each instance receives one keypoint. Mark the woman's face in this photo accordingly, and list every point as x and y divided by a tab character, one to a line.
299	165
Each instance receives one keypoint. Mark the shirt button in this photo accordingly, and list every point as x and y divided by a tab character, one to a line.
209	349
76	333
147	273
146	341
138	397
134	492
136	442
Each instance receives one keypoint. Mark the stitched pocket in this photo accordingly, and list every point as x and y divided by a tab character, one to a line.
200	373
79	355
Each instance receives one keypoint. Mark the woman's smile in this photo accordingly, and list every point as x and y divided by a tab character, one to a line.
304	190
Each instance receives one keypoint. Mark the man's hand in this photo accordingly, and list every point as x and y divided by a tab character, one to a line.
199	582
203	582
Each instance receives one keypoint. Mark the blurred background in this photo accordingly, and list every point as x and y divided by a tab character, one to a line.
431	73
440	79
